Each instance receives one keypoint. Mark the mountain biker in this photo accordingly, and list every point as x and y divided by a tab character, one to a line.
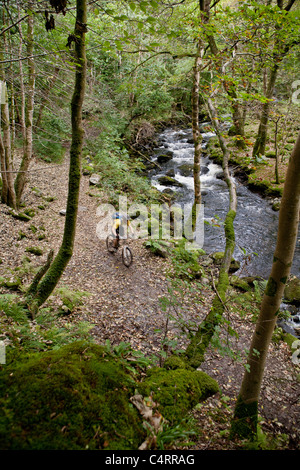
119	229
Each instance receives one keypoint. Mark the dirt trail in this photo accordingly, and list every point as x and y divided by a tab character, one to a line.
124	303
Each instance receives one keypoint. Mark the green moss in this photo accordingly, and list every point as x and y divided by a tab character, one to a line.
240	283
73	398
175	362
292	291
244	423
35	250
271	287
178	391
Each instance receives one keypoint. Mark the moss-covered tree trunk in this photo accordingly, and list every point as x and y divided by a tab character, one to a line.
198	344
237	114
279	52
21	178
197	137
244	423
261	138
47	284
8	196
8	193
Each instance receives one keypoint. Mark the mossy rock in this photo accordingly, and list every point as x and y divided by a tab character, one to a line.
240	283
35	250
74	398
164	158
271	155
177	391
169	181
292	291
175	362
186	169
13	284
219	255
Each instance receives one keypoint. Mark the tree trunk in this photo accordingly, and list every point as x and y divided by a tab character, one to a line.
244	422
237	113
261	138
21	178
56	269
21	79
8	193
196	349
279	52
197	137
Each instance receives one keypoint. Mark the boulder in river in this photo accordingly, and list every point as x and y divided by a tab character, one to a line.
186	169
171	172
164	158
169	181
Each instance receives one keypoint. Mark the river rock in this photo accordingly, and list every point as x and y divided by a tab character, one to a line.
171	172
165	157
186	169
168	181
276	204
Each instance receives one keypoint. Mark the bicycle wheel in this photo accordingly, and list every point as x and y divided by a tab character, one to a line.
110	244
126	256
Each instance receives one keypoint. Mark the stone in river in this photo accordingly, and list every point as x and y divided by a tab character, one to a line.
168	181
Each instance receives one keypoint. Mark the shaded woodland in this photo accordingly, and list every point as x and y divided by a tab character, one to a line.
182	350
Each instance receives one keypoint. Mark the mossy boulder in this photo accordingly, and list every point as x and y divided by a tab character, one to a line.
186	169
169	181
292	291
164	158
218	257
74	398
240	283
177	390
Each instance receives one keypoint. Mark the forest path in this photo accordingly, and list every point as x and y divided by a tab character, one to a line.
124	302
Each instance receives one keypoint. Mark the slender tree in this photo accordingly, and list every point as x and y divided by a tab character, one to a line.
39	293
197	137
280	50
244	423
21	178
200	341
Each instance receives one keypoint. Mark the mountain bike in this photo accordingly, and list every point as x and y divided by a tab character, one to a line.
113	247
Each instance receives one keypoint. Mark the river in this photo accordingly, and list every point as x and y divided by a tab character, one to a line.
256	223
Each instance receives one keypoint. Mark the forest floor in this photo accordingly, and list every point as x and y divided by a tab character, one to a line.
123	305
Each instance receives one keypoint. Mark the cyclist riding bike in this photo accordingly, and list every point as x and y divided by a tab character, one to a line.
119	229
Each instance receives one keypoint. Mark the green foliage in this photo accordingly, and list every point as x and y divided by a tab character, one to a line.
48	142
70	298
119	175
12	310
186	262
45	333
178	435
